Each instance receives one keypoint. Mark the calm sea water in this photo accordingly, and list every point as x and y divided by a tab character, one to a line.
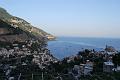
67	46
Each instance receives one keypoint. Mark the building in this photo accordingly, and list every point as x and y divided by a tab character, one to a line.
88	68
76	72
85	69
110	49
108	66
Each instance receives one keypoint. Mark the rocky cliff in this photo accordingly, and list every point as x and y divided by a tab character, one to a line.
16	29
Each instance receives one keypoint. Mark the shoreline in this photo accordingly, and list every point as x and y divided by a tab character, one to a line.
63	47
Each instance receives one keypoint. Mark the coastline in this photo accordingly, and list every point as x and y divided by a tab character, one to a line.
67	46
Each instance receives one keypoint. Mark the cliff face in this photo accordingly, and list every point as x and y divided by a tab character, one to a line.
16	29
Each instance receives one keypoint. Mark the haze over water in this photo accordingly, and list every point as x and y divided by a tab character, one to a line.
68	46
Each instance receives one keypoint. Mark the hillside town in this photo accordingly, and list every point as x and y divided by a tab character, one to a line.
90	65
24	54
19	58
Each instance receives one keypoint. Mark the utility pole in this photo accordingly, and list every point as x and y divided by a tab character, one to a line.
42	76
19	76
32	76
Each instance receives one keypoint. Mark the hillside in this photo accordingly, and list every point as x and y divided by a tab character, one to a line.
25	31
4	14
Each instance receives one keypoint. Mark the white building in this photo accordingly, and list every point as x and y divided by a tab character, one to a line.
88	67
108	66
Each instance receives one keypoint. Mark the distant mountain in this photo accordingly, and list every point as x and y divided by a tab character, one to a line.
16	29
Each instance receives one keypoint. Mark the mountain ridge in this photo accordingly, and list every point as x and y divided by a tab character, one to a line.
26	27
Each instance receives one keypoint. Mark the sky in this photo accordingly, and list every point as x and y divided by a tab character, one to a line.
83	18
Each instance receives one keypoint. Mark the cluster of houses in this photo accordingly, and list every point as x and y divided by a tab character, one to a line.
41	58
82	69
16	22
108	65
86	68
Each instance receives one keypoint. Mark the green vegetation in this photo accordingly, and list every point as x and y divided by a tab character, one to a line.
3	44
4	14
116	59
102	76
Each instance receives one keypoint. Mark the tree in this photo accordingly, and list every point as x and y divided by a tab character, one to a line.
35	46
116	59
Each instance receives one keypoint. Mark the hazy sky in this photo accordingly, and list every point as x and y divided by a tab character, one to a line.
85	18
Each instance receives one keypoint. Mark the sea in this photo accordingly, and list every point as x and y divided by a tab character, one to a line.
67	46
